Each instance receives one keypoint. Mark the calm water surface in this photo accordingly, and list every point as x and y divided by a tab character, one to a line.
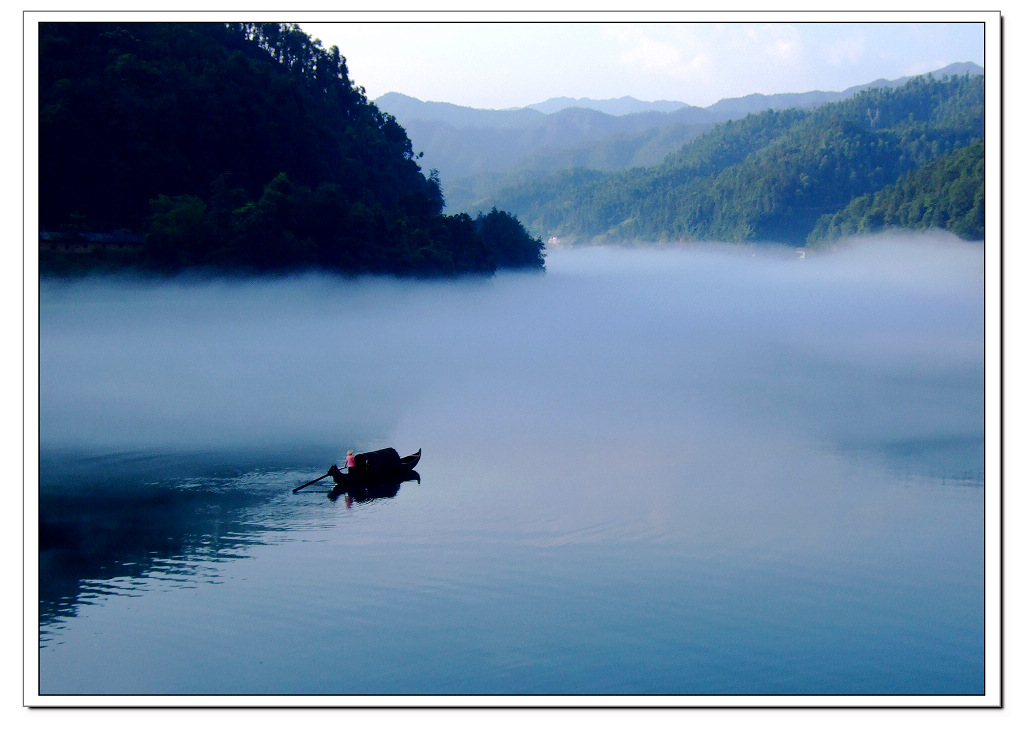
720	471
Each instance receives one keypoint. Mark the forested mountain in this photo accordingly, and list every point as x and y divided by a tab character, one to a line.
948	193
461	141
479	151
768	177
238	146
479	162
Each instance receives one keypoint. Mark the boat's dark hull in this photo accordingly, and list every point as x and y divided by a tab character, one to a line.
410	462
372	471
346	480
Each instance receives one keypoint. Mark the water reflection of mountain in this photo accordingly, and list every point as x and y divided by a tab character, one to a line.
106	521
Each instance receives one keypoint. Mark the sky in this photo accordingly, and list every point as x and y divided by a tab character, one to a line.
499	65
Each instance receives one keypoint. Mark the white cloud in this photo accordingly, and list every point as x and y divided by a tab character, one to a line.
778	42
652	55
848	51
641	50
699	63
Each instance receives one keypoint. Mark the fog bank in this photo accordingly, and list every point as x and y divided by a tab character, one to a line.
613	350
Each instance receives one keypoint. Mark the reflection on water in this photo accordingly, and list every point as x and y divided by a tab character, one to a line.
648	472
386	489
111	525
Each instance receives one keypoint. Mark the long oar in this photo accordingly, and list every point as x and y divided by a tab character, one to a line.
297	490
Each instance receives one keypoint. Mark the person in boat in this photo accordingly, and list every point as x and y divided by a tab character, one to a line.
350	460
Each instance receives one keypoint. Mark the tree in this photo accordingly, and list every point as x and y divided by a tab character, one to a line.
507	239
237	145
179	231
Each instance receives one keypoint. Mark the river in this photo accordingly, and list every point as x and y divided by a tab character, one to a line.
657	473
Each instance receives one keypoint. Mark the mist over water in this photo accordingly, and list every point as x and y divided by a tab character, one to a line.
647	470
609	349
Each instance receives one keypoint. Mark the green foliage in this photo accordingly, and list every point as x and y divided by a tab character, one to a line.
509	242
239	145
179	230
948	193
768	177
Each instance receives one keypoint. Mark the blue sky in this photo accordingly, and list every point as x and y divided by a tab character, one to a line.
507	64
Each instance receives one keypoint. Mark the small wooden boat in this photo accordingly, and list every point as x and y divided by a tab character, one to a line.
376	467
371	469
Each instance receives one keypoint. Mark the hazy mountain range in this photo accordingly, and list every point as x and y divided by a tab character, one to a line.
479	151
615	107
908	157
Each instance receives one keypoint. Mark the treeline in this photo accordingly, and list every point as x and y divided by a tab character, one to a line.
948	193
771	176
238	146
294	227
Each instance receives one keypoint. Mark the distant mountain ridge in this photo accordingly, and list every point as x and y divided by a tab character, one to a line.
616	107
478	151
406	108
909	156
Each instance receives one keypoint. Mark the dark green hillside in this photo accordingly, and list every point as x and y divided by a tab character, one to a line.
768	177
481	151
235	146
617	152
948	194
